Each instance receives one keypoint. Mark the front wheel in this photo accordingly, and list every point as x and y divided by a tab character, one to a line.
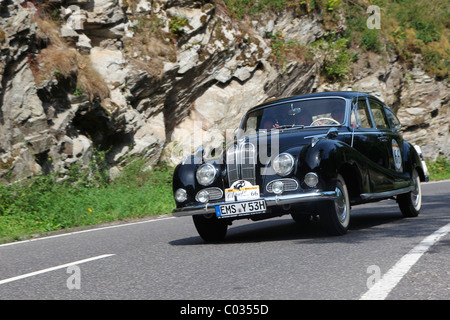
335	215
209	228
411	202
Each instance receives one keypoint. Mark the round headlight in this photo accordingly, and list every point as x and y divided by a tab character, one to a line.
180	195
206	174
283	164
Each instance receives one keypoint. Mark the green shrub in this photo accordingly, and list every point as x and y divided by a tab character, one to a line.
176	25
370	40
86	197
285	51
439	169
337	58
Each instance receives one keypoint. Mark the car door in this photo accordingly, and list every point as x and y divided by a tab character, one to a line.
366	140
389	145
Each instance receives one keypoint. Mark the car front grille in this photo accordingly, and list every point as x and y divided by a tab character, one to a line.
241	162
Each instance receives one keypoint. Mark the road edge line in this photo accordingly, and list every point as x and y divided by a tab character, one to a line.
84	231
381	289
31	274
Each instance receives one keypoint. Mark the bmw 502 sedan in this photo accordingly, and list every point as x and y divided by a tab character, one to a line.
308	156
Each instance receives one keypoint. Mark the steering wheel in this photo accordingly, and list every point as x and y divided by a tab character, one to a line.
316	122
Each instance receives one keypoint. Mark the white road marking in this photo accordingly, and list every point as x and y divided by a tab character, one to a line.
84	231
381	289
31	274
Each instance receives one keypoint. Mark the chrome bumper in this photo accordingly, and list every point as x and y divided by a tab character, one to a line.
270	201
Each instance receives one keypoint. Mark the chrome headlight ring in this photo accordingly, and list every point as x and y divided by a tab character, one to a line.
283	164
206	174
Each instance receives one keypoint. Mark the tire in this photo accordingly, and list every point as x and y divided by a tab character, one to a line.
411	202
210	228
335	215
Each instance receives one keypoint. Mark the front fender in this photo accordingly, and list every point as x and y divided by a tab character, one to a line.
184	177
412	160
329	158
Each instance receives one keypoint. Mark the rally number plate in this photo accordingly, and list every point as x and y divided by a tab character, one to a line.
241	208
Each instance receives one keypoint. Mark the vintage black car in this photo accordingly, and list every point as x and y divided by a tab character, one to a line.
309	156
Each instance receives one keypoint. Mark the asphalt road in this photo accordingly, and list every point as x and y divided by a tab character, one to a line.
164	258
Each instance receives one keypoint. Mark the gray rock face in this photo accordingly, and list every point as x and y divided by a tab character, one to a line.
179	74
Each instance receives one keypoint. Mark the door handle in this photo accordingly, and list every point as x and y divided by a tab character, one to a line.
383	139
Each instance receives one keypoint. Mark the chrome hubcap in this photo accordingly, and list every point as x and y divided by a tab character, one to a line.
340	205
416	194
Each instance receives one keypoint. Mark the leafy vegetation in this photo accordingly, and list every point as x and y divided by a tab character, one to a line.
439	169
284	51
337	57
85	197
408	28
176	25
242	8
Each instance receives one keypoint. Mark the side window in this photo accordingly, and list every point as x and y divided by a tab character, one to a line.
362	118
392	119
363	115
378	115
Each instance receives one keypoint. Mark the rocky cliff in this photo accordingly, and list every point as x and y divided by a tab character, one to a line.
158	78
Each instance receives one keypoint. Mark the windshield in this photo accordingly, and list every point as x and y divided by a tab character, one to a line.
304	113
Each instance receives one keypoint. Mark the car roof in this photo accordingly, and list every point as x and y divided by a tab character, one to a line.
343	94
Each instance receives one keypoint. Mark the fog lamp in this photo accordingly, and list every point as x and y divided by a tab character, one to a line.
278	187
180	195
202	196
311	179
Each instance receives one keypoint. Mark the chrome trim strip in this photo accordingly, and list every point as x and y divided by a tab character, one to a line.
386	194
270	201
232	168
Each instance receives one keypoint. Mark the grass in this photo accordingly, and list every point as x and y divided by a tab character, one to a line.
87	197
439	169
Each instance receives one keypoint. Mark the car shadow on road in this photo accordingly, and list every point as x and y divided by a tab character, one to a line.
368	222
286	229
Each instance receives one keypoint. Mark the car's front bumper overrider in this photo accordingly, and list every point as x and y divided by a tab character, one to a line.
277	200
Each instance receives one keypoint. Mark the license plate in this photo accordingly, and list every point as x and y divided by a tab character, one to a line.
241	208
